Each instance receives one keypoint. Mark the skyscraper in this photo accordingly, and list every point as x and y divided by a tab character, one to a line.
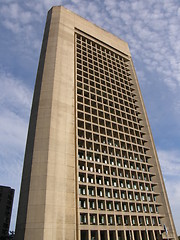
6	203
91	170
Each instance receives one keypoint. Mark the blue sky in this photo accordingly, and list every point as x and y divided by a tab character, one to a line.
151	29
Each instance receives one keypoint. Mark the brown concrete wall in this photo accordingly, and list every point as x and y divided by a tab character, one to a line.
47	200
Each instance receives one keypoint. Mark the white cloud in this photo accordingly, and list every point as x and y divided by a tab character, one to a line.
10	172
151	27
170	162
15	102
16	13
13	92
173	192
170	165
12	132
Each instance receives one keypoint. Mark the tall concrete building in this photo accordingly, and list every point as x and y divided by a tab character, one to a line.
91	171
6	203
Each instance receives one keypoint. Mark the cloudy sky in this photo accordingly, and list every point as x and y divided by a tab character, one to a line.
151	29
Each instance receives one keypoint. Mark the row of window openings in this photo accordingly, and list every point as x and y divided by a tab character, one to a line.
123	133
84	118
106	62
102	63
108	149
108	59
102	55
114	181
120	82
100	49
123	97
105	65
116	102
117	206
117	194
118	139
124	109
85	56
136	145
121	117
106	84
110	153
108	77
109	94
121	147
100	59
115	77
133	163
97	66
123	82
125	116
109	120
112	160
120	220
125	103
110	132
120	235
113	171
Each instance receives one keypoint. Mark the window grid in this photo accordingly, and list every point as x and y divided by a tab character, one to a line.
114	170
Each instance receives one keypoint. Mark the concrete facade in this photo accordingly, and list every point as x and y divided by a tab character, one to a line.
57	167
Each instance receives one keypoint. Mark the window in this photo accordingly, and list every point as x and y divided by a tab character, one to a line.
153	221
108	193
82	203
102	219
101	205
109	205
133	221
121	184
141	220
92	204
124	207
83	218
114	183
82	190
145	208
92	219
116	194
143	197
100	192
138	208
117	206
110	220
130	196
137	197
82	178
147	221
118	220
123	195
128	185
131	208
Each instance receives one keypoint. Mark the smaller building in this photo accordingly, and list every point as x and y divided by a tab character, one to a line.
6	203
